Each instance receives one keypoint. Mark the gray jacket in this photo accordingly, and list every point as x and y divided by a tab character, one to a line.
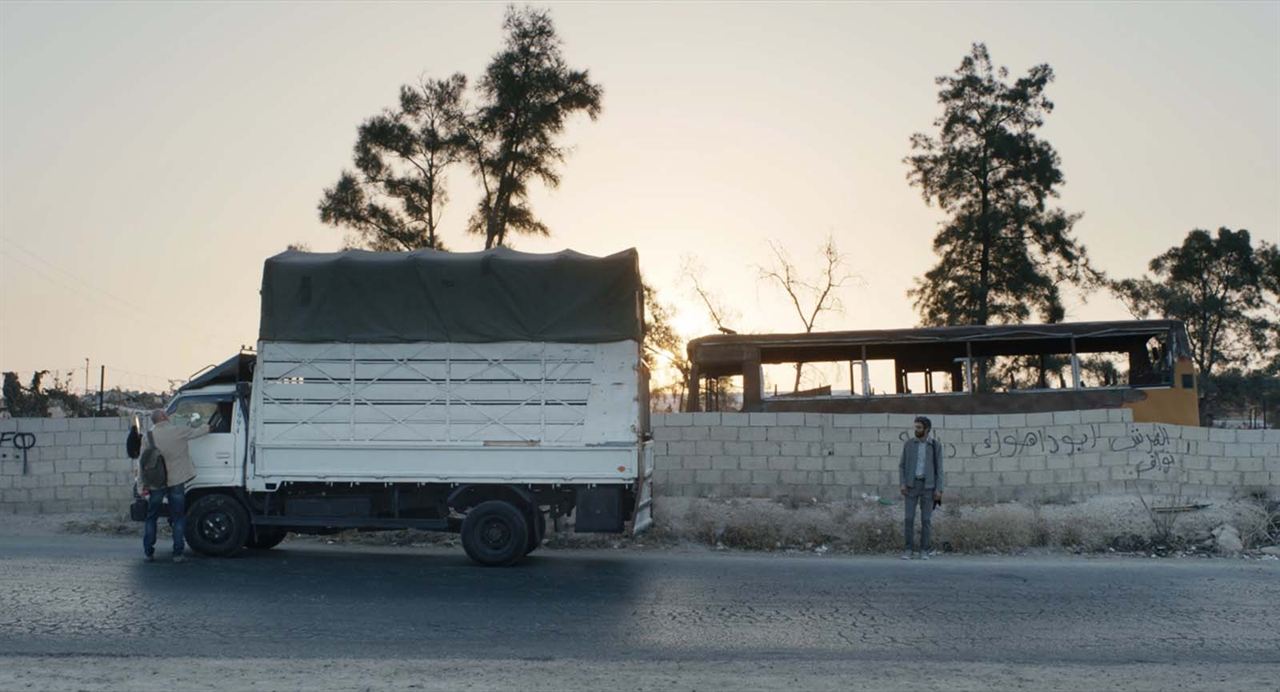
933	479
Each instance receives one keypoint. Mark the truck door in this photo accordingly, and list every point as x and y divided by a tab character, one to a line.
214	455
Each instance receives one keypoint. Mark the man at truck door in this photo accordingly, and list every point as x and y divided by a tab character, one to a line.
171	440
920	482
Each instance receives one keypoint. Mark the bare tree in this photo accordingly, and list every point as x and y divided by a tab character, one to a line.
692	271
811	297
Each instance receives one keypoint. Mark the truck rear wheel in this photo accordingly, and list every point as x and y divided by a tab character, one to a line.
265	538
495	533
217	526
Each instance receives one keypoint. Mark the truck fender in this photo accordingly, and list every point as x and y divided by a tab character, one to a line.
458	497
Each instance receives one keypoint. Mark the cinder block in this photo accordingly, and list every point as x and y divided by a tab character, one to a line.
65	466
709	476
1222	435
1188	432
736	478
41	494
51	453
66	439
873	420
695	462
102	479
837	464
1012	420
1224	464
1040	477
107	451
1095	415
1004	464
695	432
1248	436
763	419
723	433
1264	450
844	420
68	492
1235	449
781	463
75	478
1097	475
93	437
737	449
793	477
1248	465
763	477
722	463
1066	417
875	449
817	420
973	464
1120	415
753	463
901	420
706	419
1035	420
112	424
766	449
1257	478
791	418
39	468
809	434
809	463
835	434
682	448
711	448
666	433
1031	464
1195	462
889	464
984	422
865	434
797	449
1211	448
753	433
737	420
1229	478
986	480
781	434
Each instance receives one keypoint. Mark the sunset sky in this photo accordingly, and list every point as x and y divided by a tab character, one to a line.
152	155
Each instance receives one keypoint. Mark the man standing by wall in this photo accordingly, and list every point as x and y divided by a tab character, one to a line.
171	441
920	481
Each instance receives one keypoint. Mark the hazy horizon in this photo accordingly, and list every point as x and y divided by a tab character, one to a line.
152	156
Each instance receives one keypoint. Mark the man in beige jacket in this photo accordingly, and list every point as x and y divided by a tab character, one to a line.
171	440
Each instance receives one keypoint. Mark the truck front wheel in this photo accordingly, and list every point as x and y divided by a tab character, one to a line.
217	526
495	533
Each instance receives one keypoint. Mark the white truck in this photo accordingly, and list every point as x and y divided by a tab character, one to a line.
479	393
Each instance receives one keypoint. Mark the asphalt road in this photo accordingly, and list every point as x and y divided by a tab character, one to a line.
701	619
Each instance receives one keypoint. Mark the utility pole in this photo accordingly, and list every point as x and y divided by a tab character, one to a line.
86	377
102	380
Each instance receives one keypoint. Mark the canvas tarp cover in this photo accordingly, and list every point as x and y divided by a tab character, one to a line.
428	295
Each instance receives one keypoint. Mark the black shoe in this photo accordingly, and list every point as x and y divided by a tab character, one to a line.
179	557
149	557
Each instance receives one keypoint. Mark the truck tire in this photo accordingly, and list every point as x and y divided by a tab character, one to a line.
495	533
265	538
537	531
217	526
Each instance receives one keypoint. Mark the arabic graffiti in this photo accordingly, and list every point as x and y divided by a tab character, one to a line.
21	441
1157	445
1008	444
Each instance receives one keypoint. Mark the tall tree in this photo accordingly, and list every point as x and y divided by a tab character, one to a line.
811	297
527	93
1226	291
1003	251
664	348
394	199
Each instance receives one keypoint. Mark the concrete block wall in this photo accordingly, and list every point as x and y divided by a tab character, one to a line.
72	465
1034	456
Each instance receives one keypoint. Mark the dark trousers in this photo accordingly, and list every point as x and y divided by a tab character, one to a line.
917	493
177	496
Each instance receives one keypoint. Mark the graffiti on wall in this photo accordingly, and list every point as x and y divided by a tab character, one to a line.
21	441
1160	452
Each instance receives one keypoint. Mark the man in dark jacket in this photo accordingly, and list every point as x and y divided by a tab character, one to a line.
920	480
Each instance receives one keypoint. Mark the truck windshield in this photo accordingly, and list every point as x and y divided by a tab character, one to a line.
199	410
